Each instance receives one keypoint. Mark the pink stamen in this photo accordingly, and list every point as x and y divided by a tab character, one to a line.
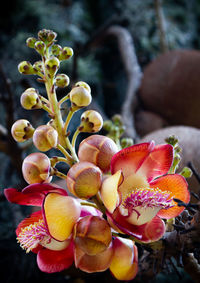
32	235
148	197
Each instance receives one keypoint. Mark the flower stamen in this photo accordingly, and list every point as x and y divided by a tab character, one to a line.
148	198
32	235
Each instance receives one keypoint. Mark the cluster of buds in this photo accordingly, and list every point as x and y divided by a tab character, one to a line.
116	188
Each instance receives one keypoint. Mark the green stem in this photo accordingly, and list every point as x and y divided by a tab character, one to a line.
68	157
56	159
75	137
46	108
59	174
69	116
66	97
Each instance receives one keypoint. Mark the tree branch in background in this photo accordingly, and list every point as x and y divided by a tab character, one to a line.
161	26
133	72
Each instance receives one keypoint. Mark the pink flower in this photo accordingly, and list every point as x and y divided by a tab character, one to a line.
47	232
140	192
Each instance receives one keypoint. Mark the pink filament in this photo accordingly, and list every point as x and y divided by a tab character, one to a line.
32	235
148	197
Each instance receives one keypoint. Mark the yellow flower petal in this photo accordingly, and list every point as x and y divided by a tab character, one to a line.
61	213
109	191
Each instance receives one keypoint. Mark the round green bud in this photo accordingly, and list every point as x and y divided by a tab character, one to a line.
62	80
80	97
117	119
56	49
38	67
40	47
66	53
107	125
45	137
30	99
47	36
52	64
26	68
126	142
85	85
91	122
36	168
22	130
30	42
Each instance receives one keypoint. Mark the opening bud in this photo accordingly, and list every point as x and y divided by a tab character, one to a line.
85	85
22	130
48	36
93	235
62	80
66	53
80	97
84	180
30	99
36	168
91	122
26	68
45	137
52	65
30	42
40	47
98	150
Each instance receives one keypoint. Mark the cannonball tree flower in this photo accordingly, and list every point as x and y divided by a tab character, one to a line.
47	232
140	192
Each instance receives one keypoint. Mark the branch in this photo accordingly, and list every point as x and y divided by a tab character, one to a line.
133	72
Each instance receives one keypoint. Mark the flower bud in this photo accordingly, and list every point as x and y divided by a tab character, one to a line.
98	150
62	80
30	100
22	130
52	65
48	36
92	234
65	54
85	85
37	66
91	122
126	142
30	42
80	97
45	137
26	68
84	180
40	47
36	168
56	49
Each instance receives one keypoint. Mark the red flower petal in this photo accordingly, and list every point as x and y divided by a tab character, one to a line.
148	232
146	159
158	162
55	261
130	159
32	194
177	185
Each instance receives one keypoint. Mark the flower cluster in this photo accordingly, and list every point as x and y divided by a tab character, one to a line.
115	197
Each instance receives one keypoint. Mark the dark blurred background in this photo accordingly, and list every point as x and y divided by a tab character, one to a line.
114	43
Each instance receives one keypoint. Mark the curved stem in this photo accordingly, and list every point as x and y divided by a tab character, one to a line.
89	204
46	108
66	97
75	137
59	174
69	116
56	159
